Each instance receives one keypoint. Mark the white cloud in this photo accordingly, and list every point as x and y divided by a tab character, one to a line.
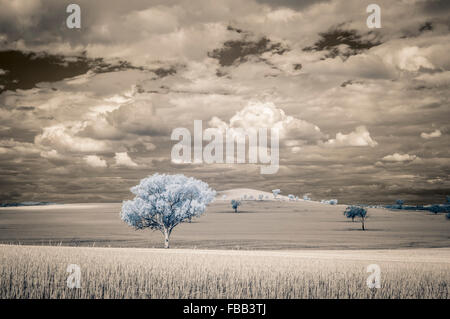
412	59
123	159
95	161
52	154
435	79
433	134
63	137
296	149
396	157
359	137
266	115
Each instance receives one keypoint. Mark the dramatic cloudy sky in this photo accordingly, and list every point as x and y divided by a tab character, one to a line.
85	113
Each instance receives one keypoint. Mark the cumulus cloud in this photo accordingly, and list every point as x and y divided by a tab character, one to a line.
95	161
396	157
135	117
266	115
62	137
123	159
51	154
435	133
412	59
359	137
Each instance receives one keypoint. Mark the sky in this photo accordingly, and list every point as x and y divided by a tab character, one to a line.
86	113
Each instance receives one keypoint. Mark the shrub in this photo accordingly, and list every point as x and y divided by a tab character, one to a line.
275	192
356	212
235	204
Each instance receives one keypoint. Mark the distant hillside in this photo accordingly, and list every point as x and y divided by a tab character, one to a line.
251	194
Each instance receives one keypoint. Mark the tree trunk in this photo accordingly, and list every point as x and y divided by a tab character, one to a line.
166	238
363	225
235	210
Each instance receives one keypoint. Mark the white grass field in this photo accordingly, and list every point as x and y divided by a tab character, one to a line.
40	272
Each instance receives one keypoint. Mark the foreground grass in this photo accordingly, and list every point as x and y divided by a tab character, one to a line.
40	272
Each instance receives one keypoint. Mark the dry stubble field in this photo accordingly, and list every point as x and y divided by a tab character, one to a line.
40	272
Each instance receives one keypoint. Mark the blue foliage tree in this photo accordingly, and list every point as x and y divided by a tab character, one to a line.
356	212
164	201
400	203
275	192
235	204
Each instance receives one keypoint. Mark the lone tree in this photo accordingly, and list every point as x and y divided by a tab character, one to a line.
400	203
275	192
164	201
235	204
356	212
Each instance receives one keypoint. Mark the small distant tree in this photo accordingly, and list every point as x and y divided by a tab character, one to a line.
333	201
275	192
164	201
399	203
356	212
235	204
435	209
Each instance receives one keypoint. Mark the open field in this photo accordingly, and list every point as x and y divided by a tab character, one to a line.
40	272
270	249
259	225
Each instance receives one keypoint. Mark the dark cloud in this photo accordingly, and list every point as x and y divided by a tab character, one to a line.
333	40
427	26
25	108
293	4
437	6
25	69
237	51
